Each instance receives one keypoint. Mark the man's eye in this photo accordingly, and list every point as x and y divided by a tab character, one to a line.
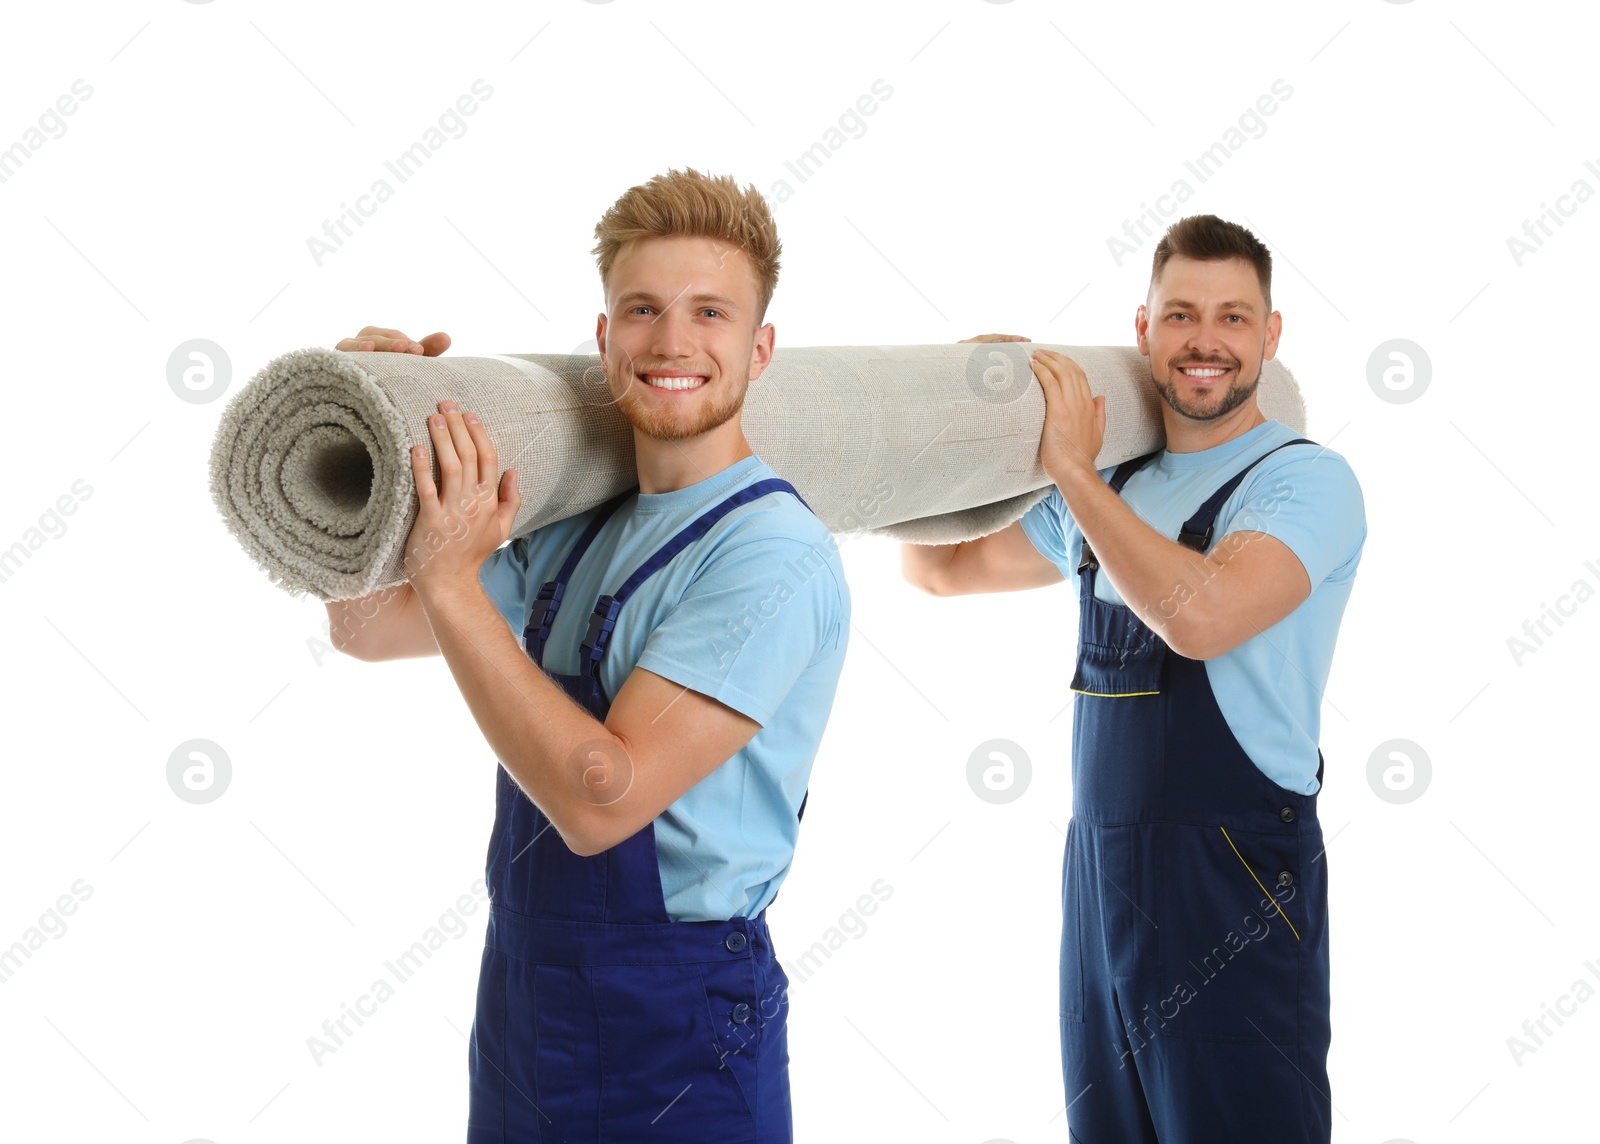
636	309
712	312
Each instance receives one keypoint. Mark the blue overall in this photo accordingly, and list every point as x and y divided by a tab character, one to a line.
599	1019
1194	949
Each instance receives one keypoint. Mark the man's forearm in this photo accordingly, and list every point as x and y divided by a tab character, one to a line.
1153	575
532	725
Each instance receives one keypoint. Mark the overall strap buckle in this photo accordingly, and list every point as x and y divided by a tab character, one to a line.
1205	517
1090	562
542	615
545	606
1199	541
602	622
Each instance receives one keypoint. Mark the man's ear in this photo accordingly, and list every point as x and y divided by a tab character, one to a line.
600	334
1274	332
761	351
1141	329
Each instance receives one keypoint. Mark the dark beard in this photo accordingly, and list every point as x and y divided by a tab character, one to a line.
1237	395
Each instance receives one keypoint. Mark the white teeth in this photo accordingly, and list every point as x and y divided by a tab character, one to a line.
674	382
1205	372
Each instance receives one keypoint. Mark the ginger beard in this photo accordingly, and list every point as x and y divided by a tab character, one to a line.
667	415
1208	403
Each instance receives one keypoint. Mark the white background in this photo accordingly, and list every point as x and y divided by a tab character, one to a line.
1019	136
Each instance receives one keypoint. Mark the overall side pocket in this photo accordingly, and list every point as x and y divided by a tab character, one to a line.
1072	891
1231	954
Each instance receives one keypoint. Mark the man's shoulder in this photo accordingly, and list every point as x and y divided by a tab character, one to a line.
1311	459
778	517
560	533
1306	496
770	539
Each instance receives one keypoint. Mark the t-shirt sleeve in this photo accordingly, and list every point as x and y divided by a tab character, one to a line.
1049	525
1045	525
751	623
1311	502
504	578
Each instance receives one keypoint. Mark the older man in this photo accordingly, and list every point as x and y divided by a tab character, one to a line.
1212	576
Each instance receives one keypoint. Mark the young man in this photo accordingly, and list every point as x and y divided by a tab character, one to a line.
1212	576
693	632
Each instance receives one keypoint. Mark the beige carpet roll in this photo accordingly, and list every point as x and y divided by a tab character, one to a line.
928	444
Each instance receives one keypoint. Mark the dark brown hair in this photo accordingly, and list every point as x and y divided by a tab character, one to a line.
1207	238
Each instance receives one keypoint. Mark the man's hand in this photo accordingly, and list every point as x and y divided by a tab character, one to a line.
994	338
1074	419
380	340
459	524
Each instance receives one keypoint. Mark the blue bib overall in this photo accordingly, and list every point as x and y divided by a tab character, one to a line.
1194	951
599	1019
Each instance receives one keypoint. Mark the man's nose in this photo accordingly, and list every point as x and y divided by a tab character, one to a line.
669	333
1205	340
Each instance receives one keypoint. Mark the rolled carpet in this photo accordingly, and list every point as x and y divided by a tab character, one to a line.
931	444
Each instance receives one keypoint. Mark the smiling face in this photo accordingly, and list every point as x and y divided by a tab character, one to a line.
680	339
1207	331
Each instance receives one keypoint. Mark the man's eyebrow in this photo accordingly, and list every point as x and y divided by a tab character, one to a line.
1180	304
633	297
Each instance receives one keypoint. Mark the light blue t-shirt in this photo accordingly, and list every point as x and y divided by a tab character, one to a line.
755	614
1268	688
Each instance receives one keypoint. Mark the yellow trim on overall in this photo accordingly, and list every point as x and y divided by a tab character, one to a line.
1257	881
1106	695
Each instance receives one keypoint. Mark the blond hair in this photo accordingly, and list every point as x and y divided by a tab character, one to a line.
702	206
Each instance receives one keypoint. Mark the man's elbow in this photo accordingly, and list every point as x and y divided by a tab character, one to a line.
347	637
365	651
581	845
929	586
921	572
1197	636
586	829
919	579
586	839
346	644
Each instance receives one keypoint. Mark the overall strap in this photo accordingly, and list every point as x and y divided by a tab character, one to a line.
1089	562
1196	532
603	620
548	603
1128	468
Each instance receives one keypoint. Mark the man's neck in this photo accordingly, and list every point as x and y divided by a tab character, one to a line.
666	466
1185	435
